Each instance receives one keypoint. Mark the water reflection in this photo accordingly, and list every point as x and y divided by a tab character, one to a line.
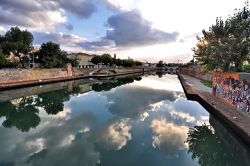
137	100
110	84
206	145
20	113
169	137
134	124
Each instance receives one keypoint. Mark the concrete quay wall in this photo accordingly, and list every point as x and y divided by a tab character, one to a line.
236	121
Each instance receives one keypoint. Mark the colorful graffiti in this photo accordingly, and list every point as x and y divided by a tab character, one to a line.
235	91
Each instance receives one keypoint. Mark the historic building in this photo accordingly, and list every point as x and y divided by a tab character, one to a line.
83	59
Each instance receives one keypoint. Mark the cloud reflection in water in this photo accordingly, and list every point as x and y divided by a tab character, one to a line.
168	137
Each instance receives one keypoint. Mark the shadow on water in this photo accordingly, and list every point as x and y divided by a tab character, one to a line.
214	145
110	84
23	112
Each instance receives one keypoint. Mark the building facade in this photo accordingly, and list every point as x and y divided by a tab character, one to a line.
83	59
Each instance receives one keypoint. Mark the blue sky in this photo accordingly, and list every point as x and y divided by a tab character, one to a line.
148	30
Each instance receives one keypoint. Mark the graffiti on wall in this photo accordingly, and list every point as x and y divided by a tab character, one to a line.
235	91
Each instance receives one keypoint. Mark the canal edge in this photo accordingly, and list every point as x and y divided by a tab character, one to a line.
240	128
22	84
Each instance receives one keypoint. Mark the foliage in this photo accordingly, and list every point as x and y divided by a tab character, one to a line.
160	64
50	55
18	42
74	62
23	115
108	60
209	149
246	68
52	101
110	85
138	63
96	60
207	83
5	63
225	45
127	62
3	60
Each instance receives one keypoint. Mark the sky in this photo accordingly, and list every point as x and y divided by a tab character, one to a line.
146	30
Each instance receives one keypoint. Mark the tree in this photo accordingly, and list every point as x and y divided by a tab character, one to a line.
127	62
119	62
106	59
226	43
3	60
138	63
17	42
96	59
160	64
50	55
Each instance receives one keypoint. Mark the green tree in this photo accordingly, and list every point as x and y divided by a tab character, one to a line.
119	62
226	43
106	59
50	55
127	62
3	60
18	42
96	59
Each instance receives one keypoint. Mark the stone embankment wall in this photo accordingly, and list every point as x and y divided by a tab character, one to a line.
25	75
85	85
197	72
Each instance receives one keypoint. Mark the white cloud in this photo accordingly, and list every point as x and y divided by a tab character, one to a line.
169	137
117	135
182	115
42	15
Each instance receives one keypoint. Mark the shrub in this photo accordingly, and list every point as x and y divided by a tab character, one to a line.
246	68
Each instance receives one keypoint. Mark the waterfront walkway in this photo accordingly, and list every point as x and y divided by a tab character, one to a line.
235	120
196	83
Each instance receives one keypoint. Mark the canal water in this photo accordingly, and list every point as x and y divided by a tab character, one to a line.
132	121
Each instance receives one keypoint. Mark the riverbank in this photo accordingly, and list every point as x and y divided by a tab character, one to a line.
232	118
18	79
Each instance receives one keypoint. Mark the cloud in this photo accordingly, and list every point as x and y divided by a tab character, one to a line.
116	135
2	30
136	108
33	14
169	137
81	8
52	143
72	42
112	6
66	41
182	115
98	45
47	14
131	29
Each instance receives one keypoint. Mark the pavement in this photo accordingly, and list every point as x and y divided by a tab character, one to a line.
196	84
